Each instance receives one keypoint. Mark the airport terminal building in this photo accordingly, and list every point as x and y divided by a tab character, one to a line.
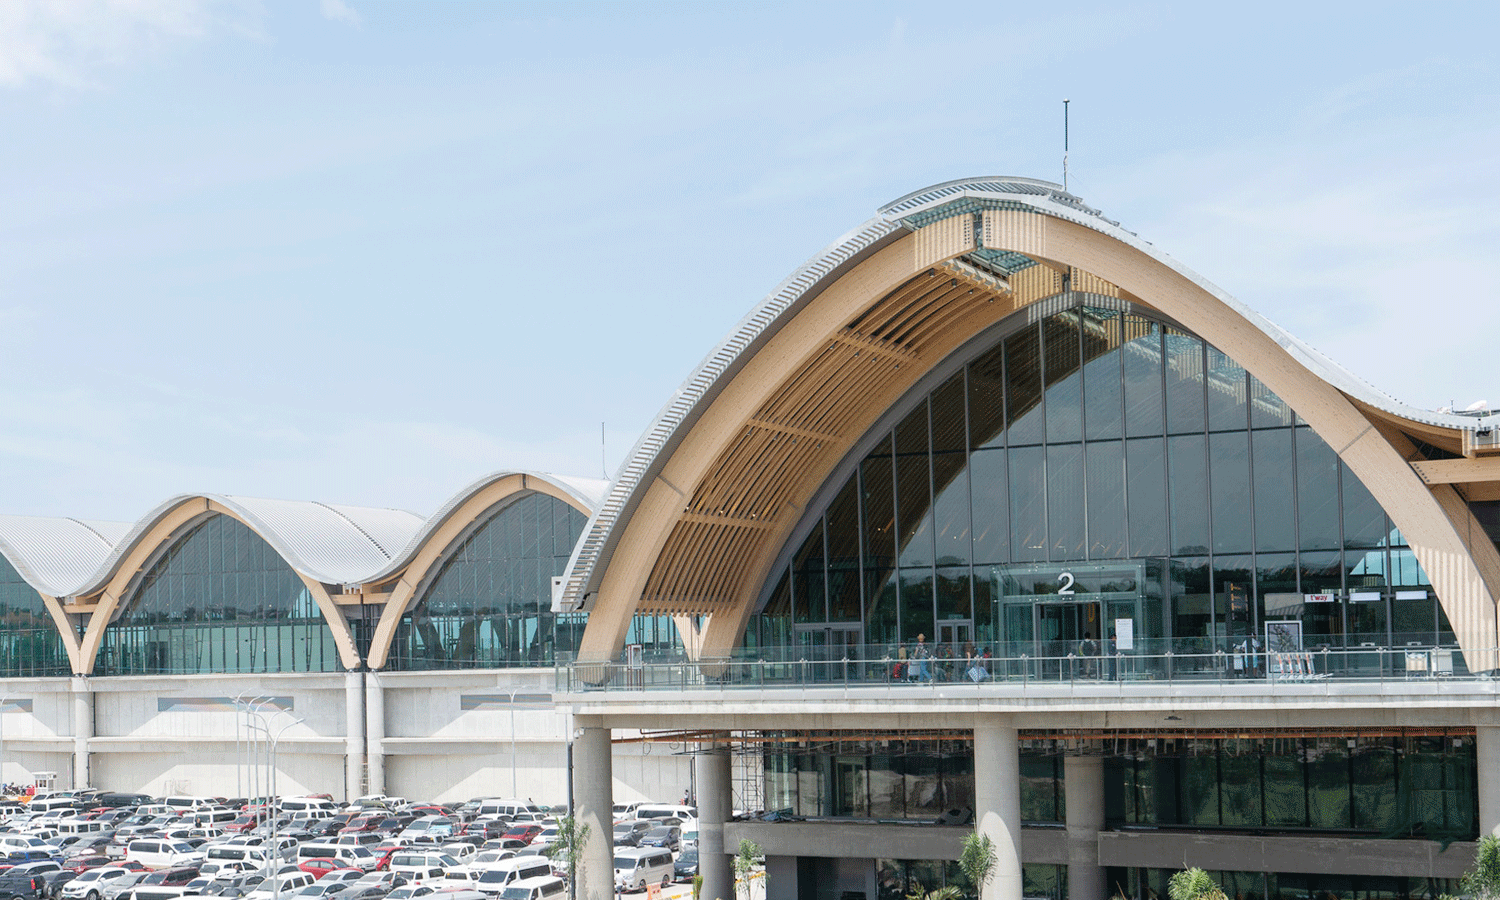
992	516
993	513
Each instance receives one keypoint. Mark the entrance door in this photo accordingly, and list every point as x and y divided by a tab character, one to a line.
826	647
955	635
1060	628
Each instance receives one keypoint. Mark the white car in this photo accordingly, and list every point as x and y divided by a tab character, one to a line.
286	885
90	884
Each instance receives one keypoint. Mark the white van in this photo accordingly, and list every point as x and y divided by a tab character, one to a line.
510	808
540	888
354	857
154	853
54	801
217	817
634	869
300	804
412	862
180	804
684	814
506	872
81	826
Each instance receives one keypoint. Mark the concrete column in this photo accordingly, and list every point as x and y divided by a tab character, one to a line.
997	802
375	732
1487	751
83	730
715	806
593	790
354	734
1083	792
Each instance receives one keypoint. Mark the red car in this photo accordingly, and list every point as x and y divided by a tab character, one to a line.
247	822
320	867
525	833
363	823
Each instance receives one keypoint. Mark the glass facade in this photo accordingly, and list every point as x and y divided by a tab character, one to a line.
1152	883
220	599
1423	787
490	604
29	643
1419	786
1091	467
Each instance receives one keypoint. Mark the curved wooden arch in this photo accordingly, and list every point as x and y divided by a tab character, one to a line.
168	527
476	509
710	524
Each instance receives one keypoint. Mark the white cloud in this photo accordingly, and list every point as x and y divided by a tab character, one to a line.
66	43
339	11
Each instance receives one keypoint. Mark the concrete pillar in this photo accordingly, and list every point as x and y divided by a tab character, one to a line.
1487	751
715	806
375	732
1083	792
83	730
593	790
354	734
997	802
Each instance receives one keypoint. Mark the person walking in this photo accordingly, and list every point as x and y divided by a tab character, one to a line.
922	654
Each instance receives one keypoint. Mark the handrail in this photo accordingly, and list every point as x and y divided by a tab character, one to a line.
1226	667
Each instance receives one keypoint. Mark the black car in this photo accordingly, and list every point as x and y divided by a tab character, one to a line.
22	887
56	880
687	865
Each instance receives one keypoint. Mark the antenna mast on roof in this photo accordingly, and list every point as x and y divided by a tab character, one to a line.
1065	144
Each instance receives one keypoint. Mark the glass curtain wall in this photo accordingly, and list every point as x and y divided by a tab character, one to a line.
1088	468
1392	787
29	641
220	599
490	605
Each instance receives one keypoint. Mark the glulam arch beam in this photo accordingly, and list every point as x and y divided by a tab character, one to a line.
441	542
169	526
715	511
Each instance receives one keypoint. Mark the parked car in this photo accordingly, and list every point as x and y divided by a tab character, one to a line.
687	864
668	836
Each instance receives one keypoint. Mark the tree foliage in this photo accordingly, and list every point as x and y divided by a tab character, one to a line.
978	859
744	862
568	847
1483	881
1193	884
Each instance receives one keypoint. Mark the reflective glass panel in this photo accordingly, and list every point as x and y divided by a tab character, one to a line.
30	644
1141	361
1023	387
1184	373
490	604
1102	388
1064	394
219	599
1188	464
1106	499
990	483
1275	490
1229	460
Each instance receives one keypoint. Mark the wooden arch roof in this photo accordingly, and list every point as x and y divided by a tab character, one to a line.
712	492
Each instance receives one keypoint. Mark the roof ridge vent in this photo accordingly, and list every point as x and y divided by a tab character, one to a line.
91	530
369	537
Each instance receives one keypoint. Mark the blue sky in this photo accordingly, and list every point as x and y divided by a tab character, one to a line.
365	253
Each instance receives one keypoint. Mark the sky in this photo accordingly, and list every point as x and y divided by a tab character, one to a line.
365	253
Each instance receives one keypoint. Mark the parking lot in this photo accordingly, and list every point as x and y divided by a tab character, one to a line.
93	845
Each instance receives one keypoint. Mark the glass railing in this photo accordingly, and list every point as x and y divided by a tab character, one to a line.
1019	666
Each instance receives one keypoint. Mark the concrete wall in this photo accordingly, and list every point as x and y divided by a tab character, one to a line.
448	736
